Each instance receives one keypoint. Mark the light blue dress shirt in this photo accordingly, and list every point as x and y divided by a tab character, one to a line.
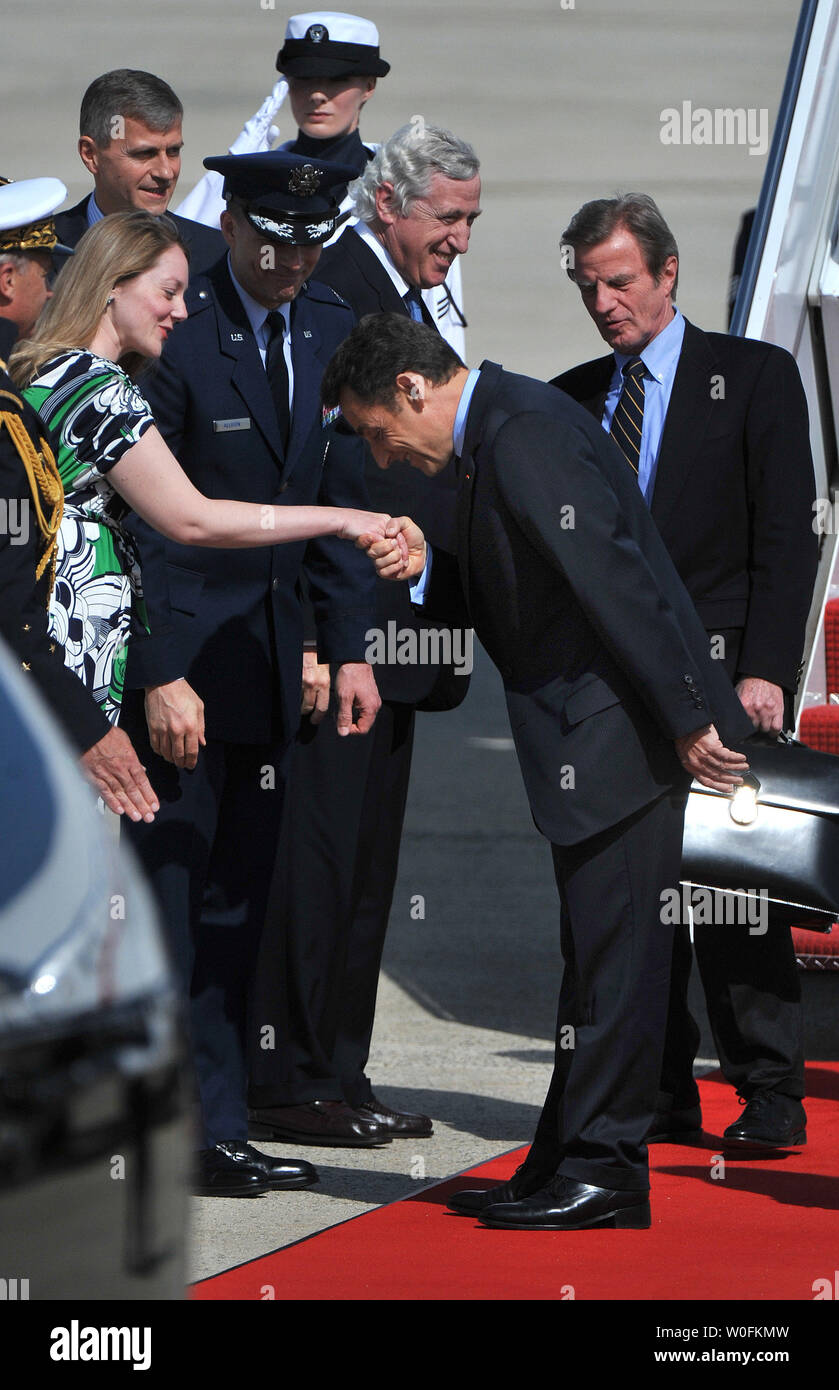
94	212
258	320
660	358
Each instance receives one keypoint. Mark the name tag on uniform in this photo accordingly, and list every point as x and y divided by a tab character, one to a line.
223	426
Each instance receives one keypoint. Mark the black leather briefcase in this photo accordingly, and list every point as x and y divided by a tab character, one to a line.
777	836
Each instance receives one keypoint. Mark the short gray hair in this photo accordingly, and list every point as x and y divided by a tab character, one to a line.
409	160
16	258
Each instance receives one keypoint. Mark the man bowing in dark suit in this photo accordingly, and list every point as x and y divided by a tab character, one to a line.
714	429
130	140
612	697
236	397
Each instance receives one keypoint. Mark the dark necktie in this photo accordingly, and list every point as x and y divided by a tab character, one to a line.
413	304
628	419
275	366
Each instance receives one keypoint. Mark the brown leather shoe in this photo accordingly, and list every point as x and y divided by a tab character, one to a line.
327	1122
400	1124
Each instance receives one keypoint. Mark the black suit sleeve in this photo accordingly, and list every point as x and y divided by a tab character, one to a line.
600	559
784	548
445	600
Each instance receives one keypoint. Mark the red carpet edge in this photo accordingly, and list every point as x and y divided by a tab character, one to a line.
728	1224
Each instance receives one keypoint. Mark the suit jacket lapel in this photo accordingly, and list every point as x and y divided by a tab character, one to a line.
72	224
482	398
597	388
380	282
371	269
688	413
237	342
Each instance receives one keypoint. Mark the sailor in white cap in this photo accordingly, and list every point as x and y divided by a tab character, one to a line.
330	62
28	240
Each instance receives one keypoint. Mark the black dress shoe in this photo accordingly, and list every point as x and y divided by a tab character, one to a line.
236	1169
329	1122
282	1173
568	1205
471	1201
770	1121
676	1126
225	1174
399	1124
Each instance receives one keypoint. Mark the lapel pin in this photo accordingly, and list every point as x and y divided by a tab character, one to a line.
307	332
237	338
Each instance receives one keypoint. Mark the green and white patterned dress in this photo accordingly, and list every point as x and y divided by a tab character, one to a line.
95	414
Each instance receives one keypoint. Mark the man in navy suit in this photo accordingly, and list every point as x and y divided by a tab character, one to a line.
236	397
613	701
130	141
723	458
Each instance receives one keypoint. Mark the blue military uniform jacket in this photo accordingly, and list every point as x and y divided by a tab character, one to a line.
230	620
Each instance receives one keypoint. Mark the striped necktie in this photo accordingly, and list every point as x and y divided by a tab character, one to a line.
628	419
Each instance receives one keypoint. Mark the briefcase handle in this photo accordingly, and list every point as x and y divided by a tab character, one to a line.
744	799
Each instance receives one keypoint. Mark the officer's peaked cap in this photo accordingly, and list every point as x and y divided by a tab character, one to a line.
26	208
289	198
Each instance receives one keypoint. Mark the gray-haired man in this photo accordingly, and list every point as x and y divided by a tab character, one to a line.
416	201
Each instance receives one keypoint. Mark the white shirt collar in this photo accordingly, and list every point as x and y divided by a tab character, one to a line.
94	212
370	239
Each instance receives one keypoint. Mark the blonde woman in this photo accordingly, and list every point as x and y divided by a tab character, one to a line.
114	305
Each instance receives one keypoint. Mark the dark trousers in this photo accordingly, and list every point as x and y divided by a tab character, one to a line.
330	902
613	1000
209	856
752	993
753	996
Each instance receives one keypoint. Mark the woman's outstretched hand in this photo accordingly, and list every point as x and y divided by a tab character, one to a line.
355	524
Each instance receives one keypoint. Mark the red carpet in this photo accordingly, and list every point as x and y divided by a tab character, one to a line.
767	1228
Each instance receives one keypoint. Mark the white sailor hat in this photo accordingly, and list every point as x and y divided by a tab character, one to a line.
326	43
25	215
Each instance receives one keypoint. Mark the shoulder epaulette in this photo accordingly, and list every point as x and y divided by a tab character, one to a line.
324	293
199	296
9	401
44	482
